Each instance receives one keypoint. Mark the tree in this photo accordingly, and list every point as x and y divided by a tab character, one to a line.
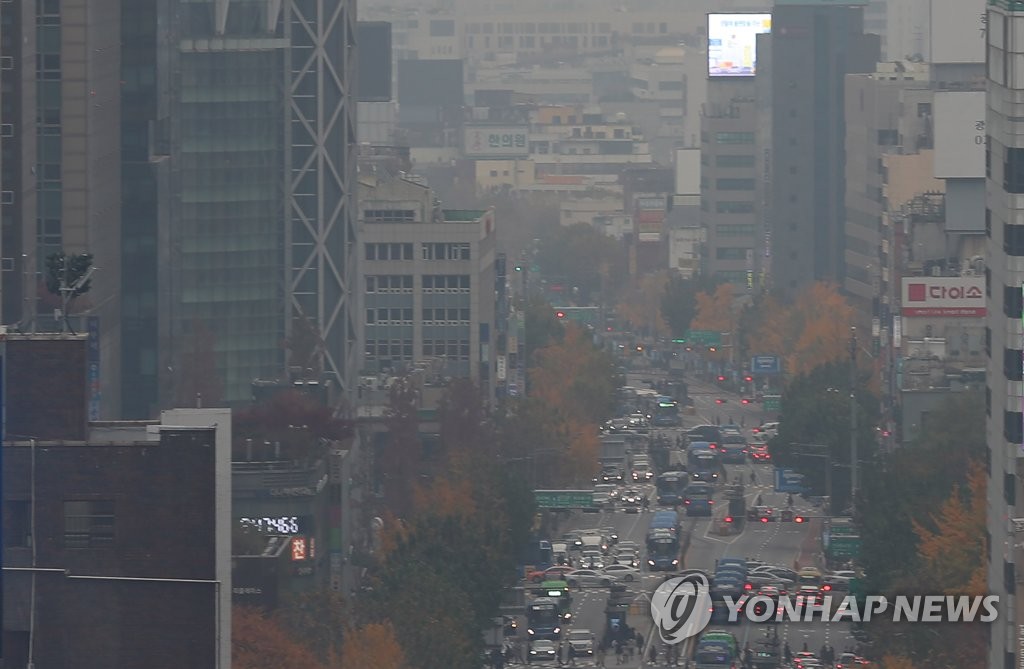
463	419
815	428
715	310
642	305
583	258
373	646
542	326
63	270
316	618
679	304
402	462
258	642
292	422
198	378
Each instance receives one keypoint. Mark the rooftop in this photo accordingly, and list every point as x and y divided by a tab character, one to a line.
463	215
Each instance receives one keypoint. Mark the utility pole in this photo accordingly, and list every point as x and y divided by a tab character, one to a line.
853	418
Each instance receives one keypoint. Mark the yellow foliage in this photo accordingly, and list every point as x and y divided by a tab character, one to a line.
642	304
897	662
392	534
373	646
715	311
451	496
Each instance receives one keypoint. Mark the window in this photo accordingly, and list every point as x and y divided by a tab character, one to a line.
988	282
734	137
1013	239
888	137
88	524
1010	488
1012	301
924	109
730	253
730	207
1013	171
442	28
446	283
1012	428
389	216
1009	577
445	251
988	222
384	251
734	161
387	350
389	283
453	349
988	341
734	184
1012	362
735	230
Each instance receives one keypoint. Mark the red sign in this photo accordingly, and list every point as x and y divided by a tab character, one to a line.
944	296
298	549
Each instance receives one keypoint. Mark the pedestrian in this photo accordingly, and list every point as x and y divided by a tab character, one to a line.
805	647
787	654
789	500
743	421
758	501
618	651
823	654
600	657
639	640
653	655
753	477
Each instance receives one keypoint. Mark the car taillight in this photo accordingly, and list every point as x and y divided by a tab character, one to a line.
826	587
728	519
763	519
686	502
711	501
747	586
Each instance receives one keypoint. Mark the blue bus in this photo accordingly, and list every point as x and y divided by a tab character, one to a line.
663	542
666	520
670	487
666	412
543	619
698	499
706	466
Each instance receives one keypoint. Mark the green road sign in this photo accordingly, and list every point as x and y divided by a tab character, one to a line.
582	315
844	546
703	337
564	499
843	531
772	403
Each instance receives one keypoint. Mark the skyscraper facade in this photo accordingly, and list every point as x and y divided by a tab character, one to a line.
814	45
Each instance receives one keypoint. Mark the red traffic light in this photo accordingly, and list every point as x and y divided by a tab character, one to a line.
559	314
721	378
798	519
745	401
764	519
719	401
748	378
728	519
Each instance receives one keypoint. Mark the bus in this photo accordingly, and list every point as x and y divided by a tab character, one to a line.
698	499
706	466
670	487
558	590
662	550
666	520
542	619
666	413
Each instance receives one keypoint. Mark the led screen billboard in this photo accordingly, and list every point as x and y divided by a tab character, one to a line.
732	43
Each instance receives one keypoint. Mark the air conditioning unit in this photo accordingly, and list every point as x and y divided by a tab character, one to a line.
936	270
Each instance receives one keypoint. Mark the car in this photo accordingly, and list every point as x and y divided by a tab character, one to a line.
753	564
769	429
611	534
844	573
781	573
835	584
808	594
768	590
542	650
632	496
782	586
850	661
573	539
611	475
549	574
584	577
630	560
627	546
622	572
592	560
581	643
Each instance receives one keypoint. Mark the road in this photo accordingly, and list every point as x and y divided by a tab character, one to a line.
775	543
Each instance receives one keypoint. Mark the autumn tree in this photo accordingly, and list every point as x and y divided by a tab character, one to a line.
542	326
197	378
290	425
373	646
715	310
641	306
257	642
316	618
679	304
584	258
401	464
462	415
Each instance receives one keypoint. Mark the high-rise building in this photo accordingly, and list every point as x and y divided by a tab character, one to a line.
729	181
239	124
1004	279
427	283
814	45
60	66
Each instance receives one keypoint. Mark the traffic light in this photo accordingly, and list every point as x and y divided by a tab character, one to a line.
745	401
721	378
559	315
748	378
799	519
728	519
713	349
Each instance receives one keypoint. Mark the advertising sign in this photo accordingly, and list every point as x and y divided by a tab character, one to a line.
732	43
493	141
959	296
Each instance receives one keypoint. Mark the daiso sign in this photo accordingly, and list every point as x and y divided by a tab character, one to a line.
959	296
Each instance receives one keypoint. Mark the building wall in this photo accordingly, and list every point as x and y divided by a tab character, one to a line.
126	529
46	391
1005	276
813	48
908	175
492	174
729	181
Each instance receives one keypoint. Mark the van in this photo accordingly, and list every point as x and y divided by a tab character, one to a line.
594	542
560	552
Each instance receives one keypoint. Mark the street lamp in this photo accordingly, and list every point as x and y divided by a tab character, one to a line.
853	417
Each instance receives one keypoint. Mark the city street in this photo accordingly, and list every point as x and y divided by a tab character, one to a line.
777	543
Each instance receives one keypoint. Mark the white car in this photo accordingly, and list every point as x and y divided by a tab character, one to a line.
627	546
543	650
622	571
592	577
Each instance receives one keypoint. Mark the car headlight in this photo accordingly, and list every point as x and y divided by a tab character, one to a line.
675	562
530	631
533	652
650	562
557	630
567	616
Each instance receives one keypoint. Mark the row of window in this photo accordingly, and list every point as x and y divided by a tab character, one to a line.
389	215
429	250
88	524
388	349
735	230
731	253
403	316
431	283
454	349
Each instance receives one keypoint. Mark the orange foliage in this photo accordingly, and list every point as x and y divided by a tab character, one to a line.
260	643
642	304
715	310
581	457
373	646
447	497
810	332
897	662
393	533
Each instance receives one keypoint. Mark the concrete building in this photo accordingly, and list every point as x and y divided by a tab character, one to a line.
99	569
729	182
874	104
60	191
426	283
1004	276
814	45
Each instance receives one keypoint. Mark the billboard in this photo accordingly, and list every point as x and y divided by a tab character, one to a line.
959	134
494	141
959	296
732	43
373	82
957	31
